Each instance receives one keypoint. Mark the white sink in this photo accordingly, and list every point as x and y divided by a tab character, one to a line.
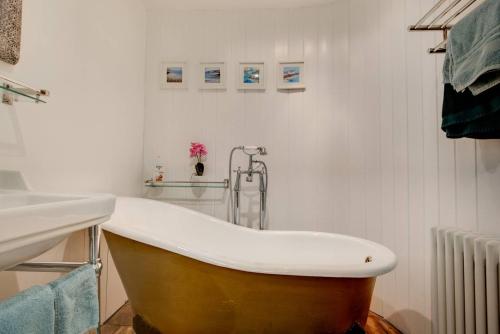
32	223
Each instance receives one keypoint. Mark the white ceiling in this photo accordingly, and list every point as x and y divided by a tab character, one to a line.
231	4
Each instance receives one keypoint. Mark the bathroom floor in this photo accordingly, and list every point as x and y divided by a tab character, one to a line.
121	323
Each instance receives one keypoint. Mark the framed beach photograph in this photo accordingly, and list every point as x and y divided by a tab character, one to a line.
173	75
290	75
251	76
213	75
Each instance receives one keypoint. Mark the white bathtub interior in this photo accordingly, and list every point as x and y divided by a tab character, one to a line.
217	242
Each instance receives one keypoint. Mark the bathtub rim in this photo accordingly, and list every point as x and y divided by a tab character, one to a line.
373	269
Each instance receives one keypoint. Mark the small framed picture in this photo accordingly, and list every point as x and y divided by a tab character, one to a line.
173	75
251	76
291	75
213	75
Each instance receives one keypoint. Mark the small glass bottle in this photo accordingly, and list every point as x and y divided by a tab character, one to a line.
159	172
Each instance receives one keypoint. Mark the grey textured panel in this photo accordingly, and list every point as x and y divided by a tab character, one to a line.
10	30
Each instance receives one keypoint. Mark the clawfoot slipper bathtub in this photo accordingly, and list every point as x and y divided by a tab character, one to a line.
188	273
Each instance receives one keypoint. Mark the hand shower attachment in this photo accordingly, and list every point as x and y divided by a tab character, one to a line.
254	167
253	150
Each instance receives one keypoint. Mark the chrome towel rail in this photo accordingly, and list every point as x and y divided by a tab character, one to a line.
94	259
440	18
53	267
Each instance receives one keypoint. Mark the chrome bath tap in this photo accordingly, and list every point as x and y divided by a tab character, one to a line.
255	167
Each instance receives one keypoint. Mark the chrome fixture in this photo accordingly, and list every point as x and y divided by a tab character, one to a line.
94	259
255	167
441	18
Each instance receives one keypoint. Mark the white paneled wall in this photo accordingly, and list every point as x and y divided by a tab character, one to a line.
359	152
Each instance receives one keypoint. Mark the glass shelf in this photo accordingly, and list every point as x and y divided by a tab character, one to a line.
188	184
13	91
18	93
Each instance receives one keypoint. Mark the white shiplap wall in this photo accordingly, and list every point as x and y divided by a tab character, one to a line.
359	152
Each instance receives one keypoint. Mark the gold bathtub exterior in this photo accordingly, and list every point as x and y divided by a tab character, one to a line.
176	294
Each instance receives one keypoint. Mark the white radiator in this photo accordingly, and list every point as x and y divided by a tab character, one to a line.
465	282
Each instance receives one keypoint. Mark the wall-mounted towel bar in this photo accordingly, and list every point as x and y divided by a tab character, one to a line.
441	17
94	234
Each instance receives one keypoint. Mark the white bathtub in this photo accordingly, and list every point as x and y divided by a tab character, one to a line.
217	242
186	272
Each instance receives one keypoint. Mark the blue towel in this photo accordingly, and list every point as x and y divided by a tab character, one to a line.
473	50
29	312
76	303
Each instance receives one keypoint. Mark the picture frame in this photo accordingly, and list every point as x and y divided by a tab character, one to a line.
290	75
173	75
213	75
251	76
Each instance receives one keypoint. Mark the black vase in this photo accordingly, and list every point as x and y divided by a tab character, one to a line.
199	167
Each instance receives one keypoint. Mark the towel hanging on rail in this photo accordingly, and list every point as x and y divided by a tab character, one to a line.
68	305
76	302
473	50
30	311
466	115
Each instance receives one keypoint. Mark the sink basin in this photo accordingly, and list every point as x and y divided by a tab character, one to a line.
20	199
32	223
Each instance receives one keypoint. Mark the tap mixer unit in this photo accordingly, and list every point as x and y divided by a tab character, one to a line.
256	168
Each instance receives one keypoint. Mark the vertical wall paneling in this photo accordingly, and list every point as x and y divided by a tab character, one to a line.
488	185
328	125
297	125
372	114
466	205
400	147
431	130
447	168
356	125
416	228
309	119
359	152
278	160
386	59
341	85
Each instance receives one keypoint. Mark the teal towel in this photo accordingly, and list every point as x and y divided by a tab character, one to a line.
76	303
466	115
473	50
29	312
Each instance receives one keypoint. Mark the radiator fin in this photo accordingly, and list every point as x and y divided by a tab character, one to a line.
465	282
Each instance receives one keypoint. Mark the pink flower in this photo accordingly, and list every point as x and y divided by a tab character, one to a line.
197	150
